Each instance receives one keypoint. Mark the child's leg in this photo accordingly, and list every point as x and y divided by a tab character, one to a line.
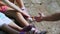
12	24
8	29
15	26
21	19
18	16
8	21
5	26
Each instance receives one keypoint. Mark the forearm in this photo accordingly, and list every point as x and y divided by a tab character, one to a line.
8	29
53	17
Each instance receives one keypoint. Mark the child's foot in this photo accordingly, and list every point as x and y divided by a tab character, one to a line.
27	28
33	30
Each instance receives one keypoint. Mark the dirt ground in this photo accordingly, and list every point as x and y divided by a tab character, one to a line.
47	7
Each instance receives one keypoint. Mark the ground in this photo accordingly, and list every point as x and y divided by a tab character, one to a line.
47	7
